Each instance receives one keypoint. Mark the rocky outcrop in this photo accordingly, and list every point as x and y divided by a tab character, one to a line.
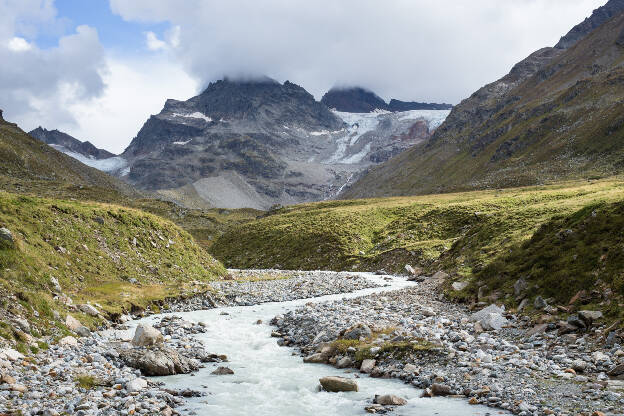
397	105
599	16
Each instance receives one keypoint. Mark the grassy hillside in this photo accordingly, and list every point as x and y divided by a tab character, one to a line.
119	257
30	166
579	252
463	233
557	115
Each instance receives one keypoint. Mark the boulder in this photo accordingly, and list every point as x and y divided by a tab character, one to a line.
576	322
358	331
83	331
539	303
537	329
410	270
440	275
477	316
493	322
344	362
520	286
459	285
68	342
440	389
160	361
137	384
11	354
89	309
147	336
55	285
316	358
389	400
72	323
336	384
6	238
223	371
589	316
367	365
617	372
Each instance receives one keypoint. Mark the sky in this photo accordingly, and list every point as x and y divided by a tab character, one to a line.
97	69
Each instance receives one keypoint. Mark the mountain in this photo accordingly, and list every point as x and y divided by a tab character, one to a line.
361	100
256	143
85	152
30	166
59	140
556	115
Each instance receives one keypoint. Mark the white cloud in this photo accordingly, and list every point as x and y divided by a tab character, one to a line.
38	85
407	49
134	90
153	43
17	44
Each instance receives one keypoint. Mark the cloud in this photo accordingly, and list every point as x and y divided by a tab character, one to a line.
407	49
17	44
153	43
135	89
38	85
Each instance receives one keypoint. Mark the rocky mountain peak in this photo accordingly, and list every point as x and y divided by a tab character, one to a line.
353	100
599	16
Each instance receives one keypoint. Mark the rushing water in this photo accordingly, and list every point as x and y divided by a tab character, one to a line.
270	380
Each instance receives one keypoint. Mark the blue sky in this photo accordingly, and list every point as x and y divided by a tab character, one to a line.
97	69
115	33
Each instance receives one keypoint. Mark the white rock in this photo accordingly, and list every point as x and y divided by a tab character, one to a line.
137	384
477	316
493	321
68	342
89	309
146	335
11	355
367	365
459	285
72	323
599	356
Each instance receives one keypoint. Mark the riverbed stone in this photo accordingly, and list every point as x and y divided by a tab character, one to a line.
146	335
389	400
337	384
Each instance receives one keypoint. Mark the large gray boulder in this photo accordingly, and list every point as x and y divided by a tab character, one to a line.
147	336
158	361
336	384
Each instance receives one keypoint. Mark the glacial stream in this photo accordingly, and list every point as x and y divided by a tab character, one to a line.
269	380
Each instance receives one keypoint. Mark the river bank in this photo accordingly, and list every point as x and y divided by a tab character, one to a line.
423	341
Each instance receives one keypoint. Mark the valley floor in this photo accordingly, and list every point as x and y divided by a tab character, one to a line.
410	333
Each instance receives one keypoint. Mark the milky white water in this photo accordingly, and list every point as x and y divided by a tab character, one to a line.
270	380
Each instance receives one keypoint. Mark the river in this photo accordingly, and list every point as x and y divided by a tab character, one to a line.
272	380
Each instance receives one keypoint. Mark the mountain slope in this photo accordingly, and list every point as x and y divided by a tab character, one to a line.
258	143
556	115
30	166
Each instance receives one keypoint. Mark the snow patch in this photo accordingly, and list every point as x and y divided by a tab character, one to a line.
196	114
183	143
434	118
